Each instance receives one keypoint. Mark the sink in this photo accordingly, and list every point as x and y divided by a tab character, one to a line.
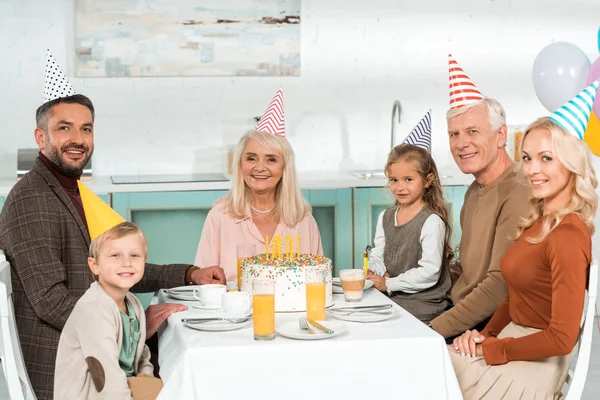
371	174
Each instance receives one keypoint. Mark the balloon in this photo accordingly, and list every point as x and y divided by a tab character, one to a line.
592	134
560	71
592	77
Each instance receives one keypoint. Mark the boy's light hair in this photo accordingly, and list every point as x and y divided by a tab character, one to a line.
117	232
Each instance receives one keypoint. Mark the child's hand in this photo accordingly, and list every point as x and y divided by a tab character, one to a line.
157	314
378	282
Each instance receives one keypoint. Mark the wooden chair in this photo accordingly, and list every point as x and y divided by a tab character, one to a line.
11	357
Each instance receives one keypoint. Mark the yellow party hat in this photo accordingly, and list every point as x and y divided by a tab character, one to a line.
100	217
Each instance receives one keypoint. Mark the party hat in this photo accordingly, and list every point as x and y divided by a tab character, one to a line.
462	89
272	120
56	84
421	134
573	116
99	216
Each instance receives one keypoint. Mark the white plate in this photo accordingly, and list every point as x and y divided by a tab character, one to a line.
338	289
218	326
292	330
188	295
365	316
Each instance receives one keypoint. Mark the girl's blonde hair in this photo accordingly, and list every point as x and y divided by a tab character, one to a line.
422	161
575	156
291	207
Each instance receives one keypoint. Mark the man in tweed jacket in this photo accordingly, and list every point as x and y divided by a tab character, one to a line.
46	240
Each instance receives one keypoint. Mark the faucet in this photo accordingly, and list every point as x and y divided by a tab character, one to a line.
396	107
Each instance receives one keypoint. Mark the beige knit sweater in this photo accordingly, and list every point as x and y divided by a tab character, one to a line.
87	363
488	219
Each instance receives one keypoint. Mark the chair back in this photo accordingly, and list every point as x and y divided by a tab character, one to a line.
11	357
576	378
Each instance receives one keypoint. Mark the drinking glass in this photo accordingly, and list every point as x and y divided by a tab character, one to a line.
263	308
243	250
353	283
314	278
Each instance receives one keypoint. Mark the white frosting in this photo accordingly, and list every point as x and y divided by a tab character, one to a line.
290	290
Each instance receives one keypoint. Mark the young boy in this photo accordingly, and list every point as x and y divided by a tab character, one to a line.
101	353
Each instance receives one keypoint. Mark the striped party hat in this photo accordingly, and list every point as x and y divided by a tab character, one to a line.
462	89
421	134
272	120
573	116
56	84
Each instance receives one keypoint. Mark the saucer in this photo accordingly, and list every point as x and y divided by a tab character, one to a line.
218	326
338	289
203	307
372	316
292	330
185	293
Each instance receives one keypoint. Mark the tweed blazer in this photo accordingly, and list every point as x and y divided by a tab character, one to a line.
46	243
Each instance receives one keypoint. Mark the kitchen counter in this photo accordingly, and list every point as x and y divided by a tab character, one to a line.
308	180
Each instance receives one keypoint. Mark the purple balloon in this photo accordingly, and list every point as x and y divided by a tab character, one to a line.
592	77
560	71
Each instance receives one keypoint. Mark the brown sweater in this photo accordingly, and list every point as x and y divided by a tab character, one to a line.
546	290
488	219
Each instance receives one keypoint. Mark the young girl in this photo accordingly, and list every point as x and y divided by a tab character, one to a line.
411	254
524	350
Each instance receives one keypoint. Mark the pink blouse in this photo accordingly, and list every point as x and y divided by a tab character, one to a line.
222	233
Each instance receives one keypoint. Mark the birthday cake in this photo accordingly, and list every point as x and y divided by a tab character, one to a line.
288	272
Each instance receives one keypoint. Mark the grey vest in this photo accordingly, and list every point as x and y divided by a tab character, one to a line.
402	252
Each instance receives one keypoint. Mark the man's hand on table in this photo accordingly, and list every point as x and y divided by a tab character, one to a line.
158	313
203	276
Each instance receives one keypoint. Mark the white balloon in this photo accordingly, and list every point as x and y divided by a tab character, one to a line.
560	71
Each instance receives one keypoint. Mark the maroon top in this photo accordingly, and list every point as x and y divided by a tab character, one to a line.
68	182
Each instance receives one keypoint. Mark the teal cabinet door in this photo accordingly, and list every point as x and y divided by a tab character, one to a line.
332	209
370	202
172	222
455	196
1	202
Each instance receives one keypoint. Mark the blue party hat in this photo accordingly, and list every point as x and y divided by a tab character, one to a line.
421	134
573	116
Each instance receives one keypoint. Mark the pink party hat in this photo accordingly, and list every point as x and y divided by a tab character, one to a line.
462	89
272	120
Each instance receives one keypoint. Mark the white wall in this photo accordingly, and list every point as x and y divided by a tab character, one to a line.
357	58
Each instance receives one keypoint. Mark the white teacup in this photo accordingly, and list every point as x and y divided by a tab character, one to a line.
237	303
210	295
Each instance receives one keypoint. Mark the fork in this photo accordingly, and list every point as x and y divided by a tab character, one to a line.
202	320
305	326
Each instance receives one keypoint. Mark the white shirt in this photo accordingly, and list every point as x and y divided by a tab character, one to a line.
427	273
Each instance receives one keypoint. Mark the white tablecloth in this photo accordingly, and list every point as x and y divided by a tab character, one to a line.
400	358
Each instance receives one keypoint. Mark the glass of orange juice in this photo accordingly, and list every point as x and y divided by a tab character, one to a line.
263	309
314	278
243	250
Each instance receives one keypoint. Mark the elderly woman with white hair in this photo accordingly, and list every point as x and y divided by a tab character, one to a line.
264	201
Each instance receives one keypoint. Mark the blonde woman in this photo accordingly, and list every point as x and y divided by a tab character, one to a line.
524	351
265	200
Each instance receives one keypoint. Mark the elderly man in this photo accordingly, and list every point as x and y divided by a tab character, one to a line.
493	205
44	233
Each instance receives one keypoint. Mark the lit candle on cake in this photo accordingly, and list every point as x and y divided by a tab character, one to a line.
298	245
267	247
